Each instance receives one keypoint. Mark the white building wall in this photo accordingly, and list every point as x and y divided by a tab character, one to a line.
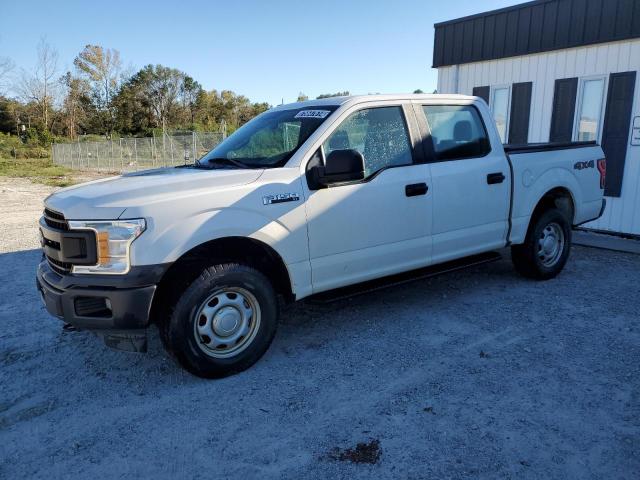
622	214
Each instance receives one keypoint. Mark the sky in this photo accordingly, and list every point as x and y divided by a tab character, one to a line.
266	50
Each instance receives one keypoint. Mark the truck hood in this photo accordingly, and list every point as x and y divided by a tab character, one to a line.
108	198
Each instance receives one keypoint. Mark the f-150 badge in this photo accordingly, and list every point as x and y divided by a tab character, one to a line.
280	198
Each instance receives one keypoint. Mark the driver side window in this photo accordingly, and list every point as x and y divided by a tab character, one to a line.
379	134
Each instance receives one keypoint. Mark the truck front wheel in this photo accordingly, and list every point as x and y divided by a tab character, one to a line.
546	248
223	322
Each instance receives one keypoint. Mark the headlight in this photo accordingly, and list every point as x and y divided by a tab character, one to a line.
114	239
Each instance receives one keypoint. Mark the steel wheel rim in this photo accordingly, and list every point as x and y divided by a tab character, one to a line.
227	322
551	244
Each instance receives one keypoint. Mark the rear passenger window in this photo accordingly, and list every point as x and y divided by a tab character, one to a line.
379	134
457	131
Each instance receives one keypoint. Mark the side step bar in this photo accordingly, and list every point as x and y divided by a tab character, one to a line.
402	278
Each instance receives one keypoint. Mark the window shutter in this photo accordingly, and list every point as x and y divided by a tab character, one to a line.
615	133
520	110
564	109
482	92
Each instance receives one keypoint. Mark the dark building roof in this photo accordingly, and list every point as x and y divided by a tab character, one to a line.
533	27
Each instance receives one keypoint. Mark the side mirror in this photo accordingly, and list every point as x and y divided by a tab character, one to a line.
342	166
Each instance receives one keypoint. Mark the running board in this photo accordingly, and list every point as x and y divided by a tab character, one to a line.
402	278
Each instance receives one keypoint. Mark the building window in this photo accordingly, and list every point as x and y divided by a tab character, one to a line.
589	109
500	110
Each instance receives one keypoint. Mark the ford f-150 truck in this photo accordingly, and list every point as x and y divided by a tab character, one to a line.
305	198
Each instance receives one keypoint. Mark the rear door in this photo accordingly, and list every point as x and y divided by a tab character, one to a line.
470	181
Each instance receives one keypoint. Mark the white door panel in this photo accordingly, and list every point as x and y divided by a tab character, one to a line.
470	215
360	231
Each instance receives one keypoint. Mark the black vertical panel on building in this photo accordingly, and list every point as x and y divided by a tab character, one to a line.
511	38
520	110
549	25
564	107
615	133
592	21
482	92
478	36
624	18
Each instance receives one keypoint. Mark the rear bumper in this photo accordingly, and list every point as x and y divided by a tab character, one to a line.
604	205
99	307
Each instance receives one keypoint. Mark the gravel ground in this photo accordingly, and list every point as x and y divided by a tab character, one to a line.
478	373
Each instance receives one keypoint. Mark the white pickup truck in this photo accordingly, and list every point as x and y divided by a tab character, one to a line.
305	198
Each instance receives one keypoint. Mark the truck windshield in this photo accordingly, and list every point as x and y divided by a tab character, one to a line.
268	140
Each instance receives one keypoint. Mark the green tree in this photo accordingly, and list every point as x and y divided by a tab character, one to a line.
75	104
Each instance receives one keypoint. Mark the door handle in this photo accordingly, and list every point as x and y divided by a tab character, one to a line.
416	189
494	178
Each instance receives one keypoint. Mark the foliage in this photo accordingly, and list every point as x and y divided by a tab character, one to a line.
97	98
29	146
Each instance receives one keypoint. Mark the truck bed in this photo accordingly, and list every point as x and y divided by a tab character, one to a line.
543	147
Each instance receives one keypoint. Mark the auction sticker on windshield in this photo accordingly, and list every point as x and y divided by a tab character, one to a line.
312	114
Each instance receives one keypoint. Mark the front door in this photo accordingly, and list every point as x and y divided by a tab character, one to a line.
377	226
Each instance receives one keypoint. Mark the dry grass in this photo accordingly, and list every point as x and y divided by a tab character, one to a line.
40	170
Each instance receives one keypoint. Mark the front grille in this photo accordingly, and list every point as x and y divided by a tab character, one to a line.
64	247
55	220
59	267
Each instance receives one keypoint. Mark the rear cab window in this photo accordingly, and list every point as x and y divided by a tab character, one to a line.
457	132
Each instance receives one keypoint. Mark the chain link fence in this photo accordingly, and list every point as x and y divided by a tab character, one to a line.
131	154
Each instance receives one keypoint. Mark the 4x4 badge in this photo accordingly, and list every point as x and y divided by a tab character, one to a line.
280	198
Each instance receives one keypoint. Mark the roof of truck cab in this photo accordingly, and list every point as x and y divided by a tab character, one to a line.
355	99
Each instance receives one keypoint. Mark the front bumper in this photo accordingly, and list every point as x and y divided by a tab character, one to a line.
112	307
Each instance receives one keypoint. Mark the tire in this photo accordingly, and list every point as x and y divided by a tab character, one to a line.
223	322
545	250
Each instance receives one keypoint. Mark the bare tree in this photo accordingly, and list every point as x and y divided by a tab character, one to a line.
101	67
6	66
39	86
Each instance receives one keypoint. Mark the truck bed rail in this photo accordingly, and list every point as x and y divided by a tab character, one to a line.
543	147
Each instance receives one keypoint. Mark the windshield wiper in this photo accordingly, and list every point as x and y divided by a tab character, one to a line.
227	161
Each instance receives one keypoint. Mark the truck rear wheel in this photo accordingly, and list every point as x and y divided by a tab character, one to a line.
223	322
546	248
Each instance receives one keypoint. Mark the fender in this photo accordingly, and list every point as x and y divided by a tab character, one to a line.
527	198
170	243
